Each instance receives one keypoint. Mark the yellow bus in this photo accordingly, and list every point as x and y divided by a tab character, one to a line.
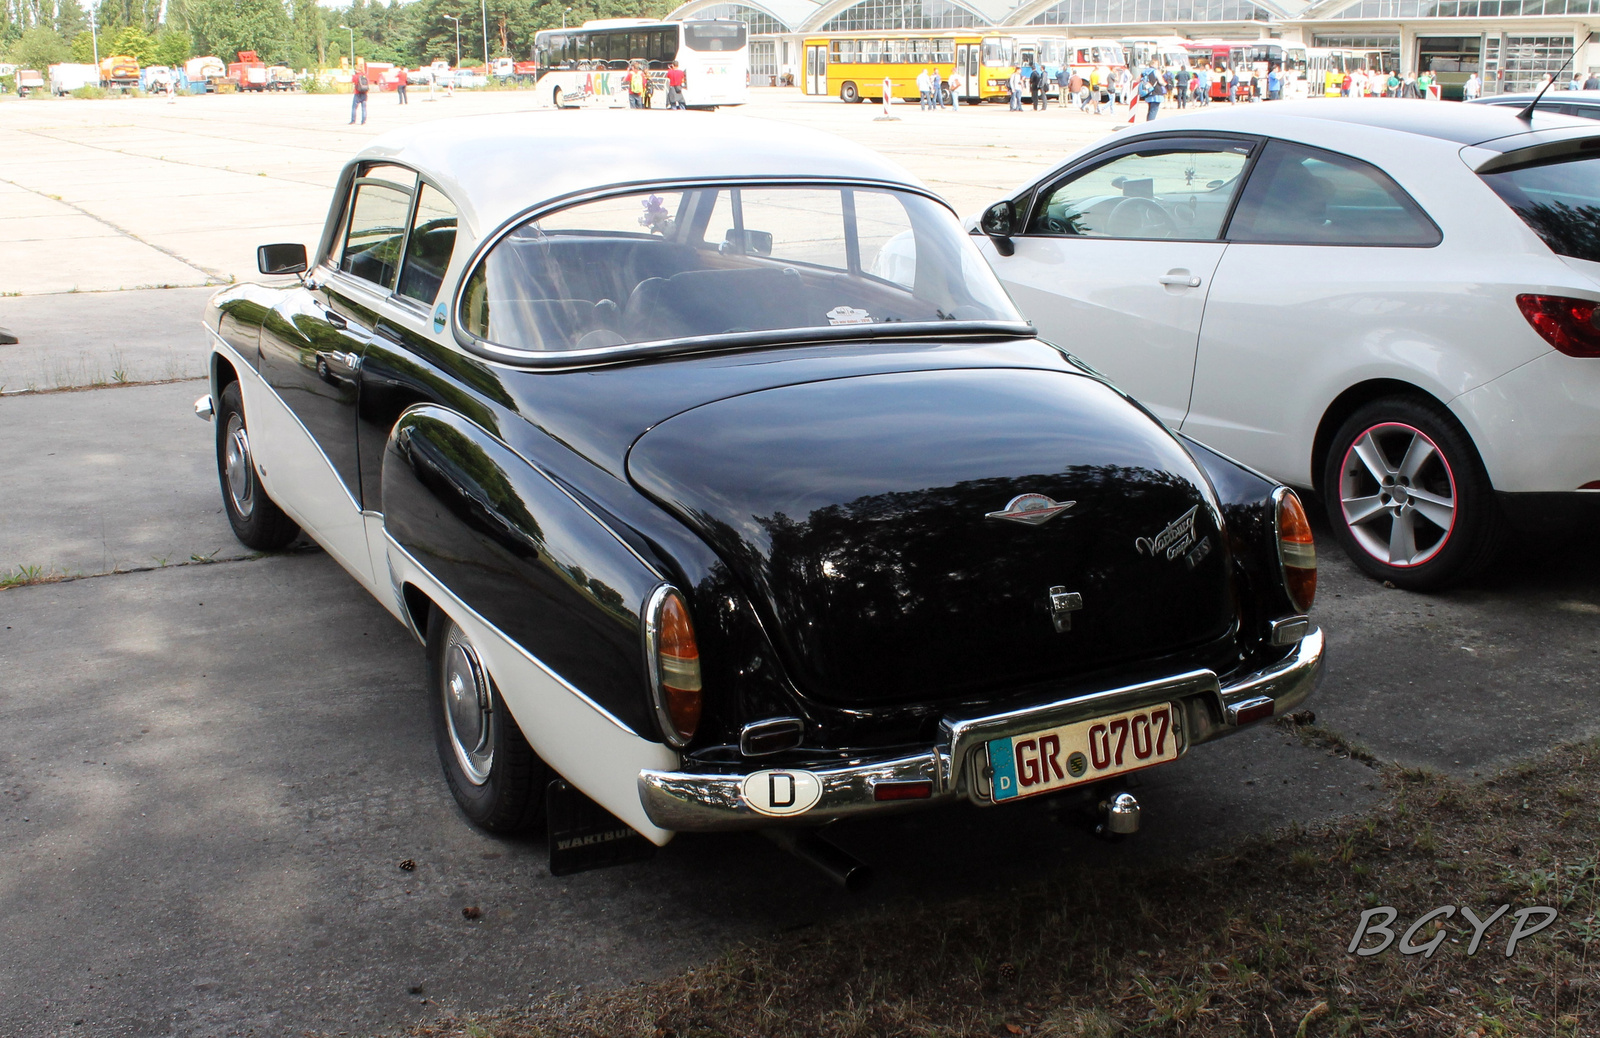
853	65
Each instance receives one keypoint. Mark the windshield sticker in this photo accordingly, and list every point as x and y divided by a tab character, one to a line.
848	315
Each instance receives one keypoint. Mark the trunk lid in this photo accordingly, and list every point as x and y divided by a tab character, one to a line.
855	513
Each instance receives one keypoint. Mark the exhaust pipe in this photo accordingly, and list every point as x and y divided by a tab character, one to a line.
1119	816
837	864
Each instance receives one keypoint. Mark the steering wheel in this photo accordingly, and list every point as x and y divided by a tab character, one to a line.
1137	217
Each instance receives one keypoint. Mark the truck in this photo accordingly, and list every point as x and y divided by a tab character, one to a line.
67	77
282	77
249	72
119	71
28	80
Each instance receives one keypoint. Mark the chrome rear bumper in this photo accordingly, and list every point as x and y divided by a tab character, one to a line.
715	800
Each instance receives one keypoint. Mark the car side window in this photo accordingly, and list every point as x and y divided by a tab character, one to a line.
1162	191
1306	196
428	249
379	211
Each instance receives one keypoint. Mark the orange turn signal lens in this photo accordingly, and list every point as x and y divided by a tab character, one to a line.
1297	551
674	665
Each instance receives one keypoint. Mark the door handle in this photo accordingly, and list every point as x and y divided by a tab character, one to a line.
336	319
1180	280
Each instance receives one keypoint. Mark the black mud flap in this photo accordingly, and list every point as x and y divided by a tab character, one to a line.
584	835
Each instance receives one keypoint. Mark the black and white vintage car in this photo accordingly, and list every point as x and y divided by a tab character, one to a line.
715	509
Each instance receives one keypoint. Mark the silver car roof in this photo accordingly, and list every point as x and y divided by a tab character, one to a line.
497	166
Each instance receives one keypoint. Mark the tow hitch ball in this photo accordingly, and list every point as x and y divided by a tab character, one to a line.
1119	816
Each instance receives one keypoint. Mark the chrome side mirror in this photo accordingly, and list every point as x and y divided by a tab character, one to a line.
281	259
996	225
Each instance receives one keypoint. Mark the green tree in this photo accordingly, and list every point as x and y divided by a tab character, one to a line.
83	47
39	48
70	19
136	43
225	27
173	47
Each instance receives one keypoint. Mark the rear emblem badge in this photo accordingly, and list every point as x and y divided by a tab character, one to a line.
1175	540
1032	509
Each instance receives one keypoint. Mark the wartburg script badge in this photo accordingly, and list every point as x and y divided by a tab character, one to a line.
1032	509
1175	540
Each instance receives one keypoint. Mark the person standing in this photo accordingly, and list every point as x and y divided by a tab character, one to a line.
1473	87
1274	83
1425	85
956	85
937	85
1182	81
358	95
400	85
1014	87
1151	92
922	91
675	83
1064	84
1041	98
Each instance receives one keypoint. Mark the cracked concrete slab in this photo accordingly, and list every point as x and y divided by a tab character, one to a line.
88	338
109	479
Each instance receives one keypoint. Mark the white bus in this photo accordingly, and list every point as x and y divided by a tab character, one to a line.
1077	55
587	66
1162	52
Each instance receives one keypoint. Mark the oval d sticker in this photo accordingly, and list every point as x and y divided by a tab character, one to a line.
782	792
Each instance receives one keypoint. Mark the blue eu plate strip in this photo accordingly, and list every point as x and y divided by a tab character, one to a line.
1004	763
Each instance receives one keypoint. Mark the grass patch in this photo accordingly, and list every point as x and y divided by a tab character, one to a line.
1252	941
90	93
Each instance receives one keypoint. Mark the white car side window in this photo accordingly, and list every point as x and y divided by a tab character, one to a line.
1180	194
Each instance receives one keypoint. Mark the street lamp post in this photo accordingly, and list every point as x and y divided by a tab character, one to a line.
564	12
352	47
453	18
483	5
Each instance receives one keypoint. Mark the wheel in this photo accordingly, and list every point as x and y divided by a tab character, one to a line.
555	97
849	94
493	773
1407	495
256	519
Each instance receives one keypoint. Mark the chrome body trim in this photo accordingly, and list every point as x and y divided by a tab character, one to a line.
203	409
1288	630
456	603
707	800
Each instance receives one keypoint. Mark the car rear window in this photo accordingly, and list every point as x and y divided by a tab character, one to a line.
1560	200
733	260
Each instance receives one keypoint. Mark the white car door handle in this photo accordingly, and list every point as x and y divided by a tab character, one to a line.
1180	280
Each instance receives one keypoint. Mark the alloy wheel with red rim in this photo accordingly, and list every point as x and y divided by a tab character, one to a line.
1398	494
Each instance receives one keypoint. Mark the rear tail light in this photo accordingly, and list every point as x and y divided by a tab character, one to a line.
1297	552
1566	324
674	661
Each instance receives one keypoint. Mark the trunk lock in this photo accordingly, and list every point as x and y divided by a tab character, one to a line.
1063	604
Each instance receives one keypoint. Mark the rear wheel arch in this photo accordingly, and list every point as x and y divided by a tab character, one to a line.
1346	404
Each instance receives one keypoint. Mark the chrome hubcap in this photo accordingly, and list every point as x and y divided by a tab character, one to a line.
468	708
1398	494
237	468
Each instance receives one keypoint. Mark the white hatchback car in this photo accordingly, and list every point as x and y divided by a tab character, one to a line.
1391	302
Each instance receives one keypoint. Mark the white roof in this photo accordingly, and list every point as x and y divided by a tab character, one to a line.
497	166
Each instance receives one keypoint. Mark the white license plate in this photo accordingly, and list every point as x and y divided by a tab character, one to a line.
1087	751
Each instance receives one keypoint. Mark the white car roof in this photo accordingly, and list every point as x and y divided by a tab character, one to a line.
497	166
1456	123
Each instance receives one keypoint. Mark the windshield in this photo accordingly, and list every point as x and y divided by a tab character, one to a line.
714	36
713	261
1560	200
999	52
